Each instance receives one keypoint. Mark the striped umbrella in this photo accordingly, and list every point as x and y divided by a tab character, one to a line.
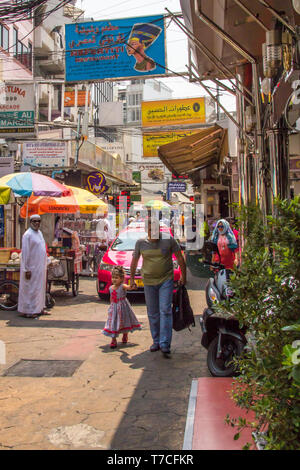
79	200
27	184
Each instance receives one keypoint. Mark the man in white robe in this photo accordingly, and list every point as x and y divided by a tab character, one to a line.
33	272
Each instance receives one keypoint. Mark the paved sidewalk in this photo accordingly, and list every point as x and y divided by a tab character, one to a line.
209	404
127	398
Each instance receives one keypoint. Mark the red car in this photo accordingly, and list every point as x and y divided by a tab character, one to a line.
120	253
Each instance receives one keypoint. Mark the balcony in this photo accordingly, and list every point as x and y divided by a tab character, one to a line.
49	51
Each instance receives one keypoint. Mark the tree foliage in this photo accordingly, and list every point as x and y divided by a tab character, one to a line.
267	300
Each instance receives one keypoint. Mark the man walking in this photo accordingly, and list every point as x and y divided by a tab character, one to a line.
157	272
32	289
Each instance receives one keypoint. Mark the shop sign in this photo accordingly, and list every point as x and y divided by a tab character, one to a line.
176	187
96	183
295	164
16	110
45	154
152	173
153	140
170	112
69	98
113	48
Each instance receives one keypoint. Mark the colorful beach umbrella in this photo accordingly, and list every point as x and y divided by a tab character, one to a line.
27	184
158	205
6	195
79	200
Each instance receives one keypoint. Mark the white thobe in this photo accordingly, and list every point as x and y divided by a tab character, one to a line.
34	258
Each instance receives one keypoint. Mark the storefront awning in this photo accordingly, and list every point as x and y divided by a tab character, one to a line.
195	152
86	167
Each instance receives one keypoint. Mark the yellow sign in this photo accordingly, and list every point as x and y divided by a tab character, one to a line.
152	141
169	112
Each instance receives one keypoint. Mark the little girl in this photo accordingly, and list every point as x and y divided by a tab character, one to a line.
121	318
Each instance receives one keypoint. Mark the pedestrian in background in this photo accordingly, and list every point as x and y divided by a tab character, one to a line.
224	238
158	278
33	271
121	318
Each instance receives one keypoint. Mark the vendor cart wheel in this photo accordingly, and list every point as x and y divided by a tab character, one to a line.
75	284
50	302
9	292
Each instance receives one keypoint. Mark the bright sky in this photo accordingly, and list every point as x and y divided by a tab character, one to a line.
177	49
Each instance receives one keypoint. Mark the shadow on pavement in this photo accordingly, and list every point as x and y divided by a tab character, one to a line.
17	321
156	414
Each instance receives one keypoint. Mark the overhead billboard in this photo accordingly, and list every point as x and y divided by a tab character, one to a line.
171	112
153	140
152	173
17	105
117	48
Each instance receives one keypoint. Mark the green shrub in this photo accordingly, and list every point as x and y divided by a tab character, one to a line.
267	300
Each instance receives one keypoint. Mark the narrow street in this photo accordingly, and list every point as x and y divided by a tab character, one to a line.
128	398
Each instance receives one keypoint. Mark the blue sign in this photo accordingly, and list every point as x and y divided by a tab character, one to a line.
177	187
123	48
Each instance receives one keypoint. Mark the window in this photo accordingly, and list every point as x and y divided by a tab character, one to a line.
134	115
21	52
15	42
29	56
135	99
4	38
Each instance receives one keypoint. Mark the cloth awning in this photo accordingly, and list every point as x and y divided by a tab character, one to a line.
207	147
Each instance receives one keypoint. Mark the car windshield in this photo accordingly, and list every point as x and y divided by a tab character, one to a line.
126	241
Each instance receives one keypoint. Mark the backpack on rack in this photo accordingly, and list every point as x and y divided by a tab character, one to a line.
183	316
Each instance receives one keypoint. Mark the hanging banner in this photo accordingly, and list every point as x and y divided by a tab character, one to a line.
16	110
69	98
170	112
153	140
122	48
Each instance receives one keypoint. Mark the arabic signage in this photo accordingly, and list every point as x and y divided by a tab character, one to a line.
96	183
121	48
151	141
16	110
170	112
45	154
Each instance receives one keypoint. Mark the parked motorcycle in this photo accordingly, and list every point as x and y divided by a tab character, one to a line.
222	337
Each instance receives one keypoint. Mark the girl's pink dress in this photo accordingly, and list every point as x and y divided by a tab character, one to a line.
121	318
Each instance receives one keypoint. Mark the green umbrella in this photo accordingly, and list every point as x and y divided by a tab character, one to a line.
158	205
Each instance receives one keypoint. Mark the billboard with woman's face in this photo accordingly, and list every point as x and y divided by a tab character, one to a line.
122	48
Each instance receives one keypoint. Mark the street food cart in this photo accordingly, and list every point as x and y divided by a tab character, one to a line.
64	271
9	278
